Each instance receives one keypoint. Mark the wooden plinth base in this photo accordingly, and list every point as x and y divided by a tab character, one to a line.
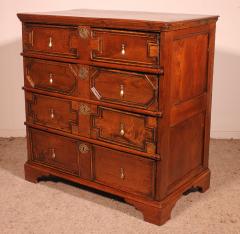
156	212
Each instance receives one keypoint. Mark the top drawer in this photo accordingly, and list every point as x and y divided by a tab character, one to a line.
50	40
125	47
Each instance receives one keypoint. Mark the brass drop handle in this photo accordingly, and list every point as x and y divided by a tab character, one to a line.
52	113
121	91
123	49
50	78
122	132
50	43
53	154
122	176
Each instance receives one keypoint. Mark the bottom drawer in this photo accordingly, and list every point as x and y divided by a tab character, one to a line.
60	152
119	170
124	171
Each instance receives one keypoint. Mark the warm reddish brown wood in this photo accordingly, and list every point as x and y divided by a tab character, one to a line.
131	130
54	40
153	211
63	78
120	102
186	149
96	142
83	81
125	172
86	61
33	175
52	112
125	88
102	103
120	19
54	151
126	47
187	109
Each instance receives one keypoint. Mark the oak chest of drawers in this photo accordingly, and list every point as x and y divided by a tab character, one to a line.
120	102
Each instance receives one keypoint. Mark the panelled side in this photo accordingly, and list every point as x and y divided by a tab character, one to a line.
184	135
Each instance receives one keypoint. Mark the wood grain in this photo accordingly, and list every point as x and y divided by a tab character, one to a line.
121	102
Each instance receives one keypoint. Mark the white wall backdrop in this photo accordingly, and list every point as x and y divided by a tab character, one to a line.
226	88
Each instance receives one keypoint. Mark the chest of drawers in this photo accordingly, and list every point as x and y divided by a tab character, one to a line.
120	102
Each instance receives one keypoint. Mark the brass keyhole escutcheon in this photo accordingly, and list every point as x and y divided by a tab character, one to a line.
84	109
83	148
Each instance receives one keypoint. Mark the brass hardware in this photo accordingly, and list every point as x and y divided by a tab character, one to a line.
83	148
50	78
83	32
121	91
84	109
53	154
52	113
122	176
122	132
83	72
50	44
123	49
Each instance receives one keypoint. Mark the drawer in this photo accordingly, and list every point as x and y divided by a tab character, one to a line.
134	131
124	88
127	129
58	77
52	112
124	171
60	152
50	39
125	47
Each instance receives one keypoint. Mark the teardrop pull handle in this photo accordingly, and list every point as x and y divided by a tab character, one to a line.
53	154
50	78
123	49
50	43
122	132
122	175
52	115
121	91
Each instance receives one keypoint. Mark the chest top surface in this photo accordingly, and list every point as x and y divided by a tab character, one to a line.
121	19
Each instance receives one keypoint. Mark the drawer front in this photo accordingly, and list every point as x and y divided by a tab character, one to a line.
53	76
60	152
124	88
124	171
131	130
105	124
51	40
125	47
52	112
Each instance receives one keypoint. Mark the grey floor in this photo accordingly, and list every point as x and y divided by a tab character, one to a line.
57	207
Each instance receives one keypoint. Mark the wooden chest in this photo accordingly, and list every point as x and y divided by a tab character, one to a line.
120	102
